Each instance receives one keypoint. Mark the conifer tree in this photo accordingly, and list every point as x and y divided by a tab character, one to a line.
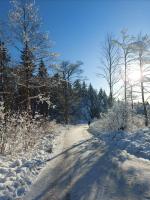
42	71
5	86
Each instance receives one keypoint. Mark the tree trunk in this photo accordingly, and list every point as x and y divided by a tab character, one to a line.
66	111
27	91
110	85
125	84
132	97
142	92
125	91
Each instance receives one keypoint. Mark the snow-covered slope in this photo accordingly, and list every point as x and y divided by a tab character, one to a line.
136	143
18	174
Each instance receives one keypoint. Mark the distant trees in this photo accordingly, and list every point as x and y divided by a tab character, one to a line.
103	101
83	101
124	56
93	103
68	73
73	99
42	70
5	85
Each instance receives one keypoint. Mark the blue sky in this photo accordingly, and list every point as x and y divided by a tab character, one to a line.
78	27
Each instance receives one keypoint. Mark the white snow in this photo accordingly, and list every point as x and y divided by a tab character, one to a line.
135	143
89	162
93	168
18	173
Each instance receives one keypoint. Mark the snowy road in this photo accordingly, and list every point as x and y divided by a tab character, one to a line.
85	169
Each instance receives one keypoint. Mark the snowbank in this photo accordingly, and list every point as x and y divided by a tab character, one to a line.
17	174
135	143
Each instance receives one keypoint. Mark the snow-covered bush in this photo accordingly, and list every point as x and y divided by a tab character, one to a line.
119	117
3	135
18	172
19	132
115	118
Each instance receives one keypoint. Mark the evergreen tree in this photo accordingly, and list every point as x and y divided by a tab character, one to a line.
84	89
27	71
103	101
84	102
5	73
93	103
77	99
33	44
44	89
42	71
67	72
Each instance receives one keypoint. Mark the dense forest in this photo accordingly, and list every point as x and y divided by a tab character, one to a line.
36	82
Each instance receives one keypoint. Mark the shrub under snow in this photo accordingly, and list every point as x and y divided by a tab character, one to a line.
135	139
115	119
17	171
19	132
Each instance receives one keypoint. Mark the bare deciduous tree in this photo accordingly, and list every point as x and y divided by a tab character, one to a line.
141	47
126	56
110	65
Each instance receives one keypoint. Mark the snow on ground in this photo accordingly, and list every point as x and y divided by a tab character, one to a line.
135	143
110	163
95	168
18	173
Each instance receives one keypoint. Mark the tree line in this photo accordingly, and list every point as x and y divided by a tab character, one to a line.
121	60
36	83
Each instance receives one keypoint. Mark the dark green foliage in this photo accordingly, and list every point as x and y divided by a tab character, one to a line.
6	82
27	85
71	99
84	103
42	71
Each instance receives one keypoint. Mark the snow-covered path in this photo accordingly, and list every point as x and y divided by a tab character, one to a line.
85	169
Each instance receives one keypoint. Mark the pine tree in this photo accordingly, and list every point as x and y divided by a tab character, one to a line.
27	72
33	44
103	101
44	89
5	85
42	71
93	103
67	71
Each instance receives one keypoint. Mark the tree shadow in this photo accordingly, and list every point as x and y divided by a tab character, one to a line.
89	170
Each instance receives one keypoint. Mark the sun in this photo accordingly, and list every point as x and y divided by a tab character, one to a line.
134	76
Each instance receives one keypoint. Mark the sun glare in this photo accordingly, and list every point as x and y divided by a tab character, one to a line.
134	76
